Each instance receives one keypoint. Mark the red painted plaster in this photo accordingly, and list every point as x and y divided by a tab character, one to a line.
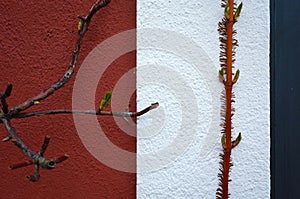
36	41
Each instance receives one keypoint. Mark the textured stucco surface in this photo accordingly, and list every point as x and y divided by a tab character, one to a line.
193	174
36	41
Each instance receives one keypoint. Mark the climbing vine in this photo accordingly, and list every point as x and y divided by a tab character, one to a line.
229	78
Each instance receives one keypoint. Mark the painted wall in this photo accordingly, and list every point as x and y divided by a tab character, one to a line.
179	144
177	59
36	41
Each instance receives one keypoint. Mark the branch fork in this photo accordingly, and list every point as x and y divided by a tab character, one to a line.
38	161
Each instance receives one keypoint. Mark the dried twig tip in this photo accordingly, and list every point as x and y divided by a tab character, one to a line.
154	105
8	90
103	3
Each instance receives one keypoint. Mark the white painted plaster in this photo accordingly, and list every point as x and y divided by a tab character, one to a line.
177	58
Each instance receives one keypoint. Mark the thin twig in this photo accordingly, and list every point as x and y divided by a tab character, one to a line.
45	145
3	96
36	175
20	165
88	112
30	162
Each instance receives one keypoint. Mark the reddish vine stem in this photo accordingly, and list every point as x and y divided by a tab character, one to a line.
228	83
228	88
228	44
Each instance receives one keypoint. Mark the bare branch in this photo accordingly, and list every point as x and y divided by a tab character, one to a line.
17	141
4	95
36	176
20	165
45	145
37	158
49	91
32	155
88	112
30	162
153	106
7	91
61	158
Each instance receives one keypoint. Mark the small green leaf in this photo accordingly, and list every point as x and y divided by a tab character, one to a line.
238	11
36	102
236	76
221	75
223	141
80	24
226	12
237	140
105	100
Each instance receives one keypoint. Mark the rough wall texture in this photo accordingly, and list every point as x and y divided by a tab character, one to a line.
36	41
179	143
188	34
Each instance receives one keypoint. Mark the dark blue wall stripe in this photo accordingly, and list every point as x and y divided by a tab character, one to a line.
285	99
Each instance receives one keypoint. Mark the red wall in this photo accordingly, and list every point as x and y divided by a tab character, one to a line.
36	41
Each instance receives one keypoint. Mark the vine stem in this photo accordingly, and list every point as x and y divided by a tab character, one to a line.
228	93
